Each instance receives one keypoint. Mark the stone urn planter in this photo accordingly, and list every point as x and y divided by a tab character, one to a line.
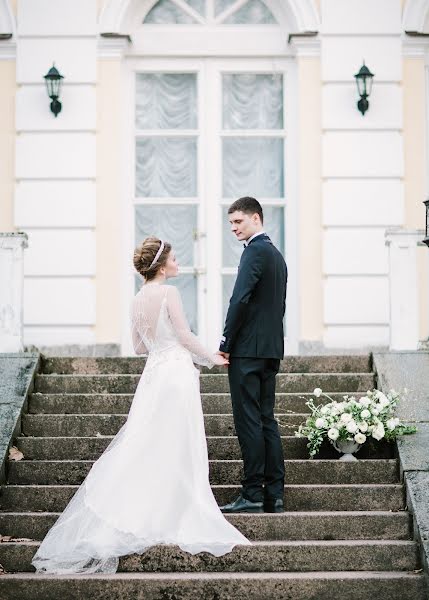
347	448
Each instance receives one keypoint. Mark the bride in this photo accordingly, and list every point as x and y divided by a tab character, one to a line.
151	484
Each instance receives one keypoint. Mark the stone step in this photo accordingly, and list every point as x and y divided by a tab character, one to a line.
329	525
219	448
108	424
222	472
90	448
279	557
286	382
121	403
375	496
135	364
314	585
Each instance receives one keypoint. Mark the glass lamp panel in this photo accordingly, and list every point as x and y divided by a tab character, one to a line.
254	12
252	166
166	167
252	101
166	12
273	226
221	5
171	223
166	101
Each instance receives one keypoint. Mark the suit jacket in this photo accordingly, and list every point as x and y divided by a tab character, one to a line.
254	322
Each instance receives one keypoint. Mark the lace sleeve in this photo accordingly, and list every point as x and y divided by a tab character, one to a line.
136	328
181	327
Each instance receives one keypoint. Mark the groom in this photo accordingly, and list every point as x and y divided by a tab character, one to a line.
254	343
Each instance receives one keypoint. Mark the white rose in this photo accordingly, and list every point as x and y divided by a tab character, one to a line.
346	417
360	438
317	392
363	426
333	433
375	411
340	406
365	414
364	401
392	423
320	423
352	427
378	432
324	410
381	397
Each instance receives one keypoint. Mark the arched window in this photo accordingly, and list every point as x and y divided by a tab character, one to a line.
225	12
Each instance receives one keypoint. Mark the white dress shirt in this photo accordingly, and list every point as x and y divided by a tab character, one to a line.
253	236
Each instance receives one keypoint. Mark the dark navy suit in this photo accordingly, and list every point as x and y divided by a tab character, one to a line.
254	338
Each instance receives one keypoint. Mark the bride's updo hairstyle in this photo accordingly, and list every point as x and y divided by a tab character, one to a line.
144	255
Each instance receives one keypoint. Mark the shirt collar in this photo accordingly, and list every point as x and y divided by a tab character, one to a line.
246	243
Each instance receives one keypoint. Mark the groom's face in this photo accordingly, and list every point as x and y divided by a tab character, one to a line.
243	226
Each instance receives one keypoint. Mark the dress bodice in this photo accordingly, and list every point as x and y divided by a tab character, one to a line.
159	323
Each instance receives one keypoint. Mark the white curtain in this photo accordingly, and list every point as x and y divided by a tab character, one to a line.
166	101
165	12
254	12
252	101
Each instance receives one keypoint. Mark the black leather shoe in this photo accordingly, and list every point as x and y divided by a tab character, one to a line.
274	506
242	505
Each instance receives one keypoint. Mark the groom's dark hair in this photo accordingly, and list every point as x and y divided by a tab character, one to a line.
248	205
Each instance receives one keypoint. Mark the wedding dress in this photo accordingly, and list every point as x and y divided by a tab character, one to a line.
151	484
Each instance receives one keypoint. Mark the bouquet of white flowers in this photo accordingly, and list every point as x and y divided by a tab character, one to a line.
354	420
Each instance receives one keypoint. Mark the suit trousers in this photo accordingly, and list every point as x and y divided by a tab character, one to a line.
252	384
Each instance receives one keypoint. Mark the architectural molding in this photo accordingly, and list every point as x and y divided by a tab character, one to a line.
122	16
414	15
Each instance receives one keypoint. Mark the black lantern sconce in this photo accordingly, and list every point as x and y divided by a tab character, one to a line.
426	240
364	85
53	79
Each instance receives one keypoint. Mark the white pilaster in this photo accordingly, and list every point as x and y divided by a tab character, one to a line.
362	167
55	168
403	285
11	290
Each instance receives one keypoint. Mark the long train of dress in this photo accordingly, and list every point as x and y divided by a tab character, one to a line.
151	484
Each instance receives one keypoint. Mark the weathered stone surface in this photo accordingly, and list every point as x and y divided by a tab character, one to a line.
17	373
406	371
226	586
212	403
54	498
92	425
284	556
134	364
330	525
414	449
222	472
286	382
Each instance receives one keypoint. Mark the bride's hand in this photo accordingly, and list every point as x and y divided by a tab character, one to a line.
220	360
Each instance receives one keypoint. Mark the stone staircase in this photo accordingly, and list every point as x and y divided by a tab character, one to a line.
345	531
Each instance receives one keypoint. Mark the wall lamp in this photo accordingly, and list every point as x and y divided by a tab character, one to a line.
364	85
53	79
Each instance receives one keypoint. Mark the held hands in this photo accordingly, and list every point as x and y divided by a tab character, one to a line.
221	358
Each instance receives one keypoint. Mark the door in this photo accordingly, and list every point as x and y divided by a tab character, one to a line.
205	132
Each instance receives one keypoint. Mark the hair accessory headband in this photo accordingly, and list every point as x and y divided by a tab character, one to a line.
158	254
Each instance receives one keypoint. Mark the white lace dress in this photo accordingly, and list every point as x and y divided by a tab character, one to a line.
151	484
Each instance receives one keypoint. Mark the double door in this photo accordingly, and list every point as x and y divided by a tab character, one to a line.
206	132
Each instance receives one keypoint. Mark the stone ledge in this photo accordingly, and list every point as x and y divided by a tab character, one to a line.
18	371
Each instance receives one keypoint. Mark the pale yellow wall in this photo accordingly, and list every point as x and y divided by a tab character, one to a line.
109	216
7	143
309	199
415	170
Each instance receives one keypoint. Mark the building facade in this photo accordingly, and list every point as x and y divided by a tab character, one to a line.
171	109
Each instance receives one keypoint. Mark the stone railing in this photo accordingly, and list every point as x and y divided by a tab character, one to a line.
11	290
404	287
